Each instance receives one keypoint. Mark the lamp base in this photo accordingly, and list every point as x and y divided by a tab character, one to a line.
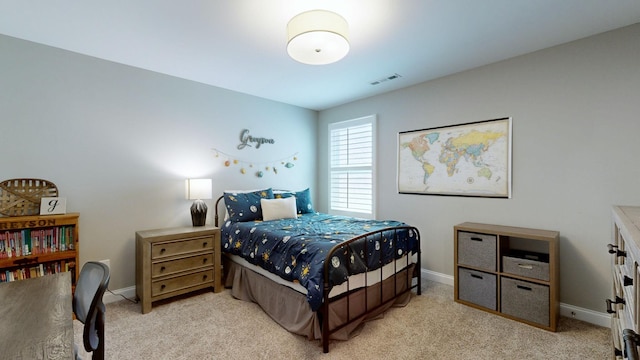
198	213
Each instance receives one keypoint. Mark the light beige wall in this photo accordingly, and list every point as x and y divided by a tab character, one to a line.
576	124
119	142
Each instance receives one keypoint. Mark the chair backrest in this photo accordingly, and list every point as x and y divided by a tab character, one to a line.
88	305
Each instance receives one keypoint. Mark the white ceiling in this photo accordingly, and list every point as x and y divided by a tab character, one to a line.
240	44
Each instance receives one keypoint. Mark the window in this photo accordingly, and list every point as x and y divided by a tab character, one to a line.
351	167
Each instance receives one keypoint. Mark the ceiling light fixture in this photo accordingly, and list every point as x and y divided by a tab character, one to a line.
317	37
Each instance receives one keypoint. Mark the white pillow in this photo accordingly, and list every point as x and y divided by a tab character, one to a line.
274	209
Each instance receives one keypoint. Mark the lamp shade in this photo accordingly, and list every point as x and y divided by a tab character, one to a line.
317	37
198	189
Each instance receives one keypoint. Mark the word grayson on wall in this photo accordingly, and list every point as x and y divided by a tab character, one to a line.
262	167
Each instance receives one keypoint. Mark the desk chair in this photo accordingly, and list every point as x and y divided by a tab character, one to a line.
88	306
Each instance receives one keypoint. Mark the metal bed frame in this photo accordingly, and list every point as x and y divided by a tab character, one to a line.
377	297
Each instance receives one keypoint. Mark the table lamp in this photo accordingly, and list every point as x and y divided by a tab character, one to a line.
198	189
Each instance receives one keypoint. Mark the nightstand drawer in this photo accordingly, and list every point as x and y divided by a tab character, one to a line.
175	266
173	248
182	282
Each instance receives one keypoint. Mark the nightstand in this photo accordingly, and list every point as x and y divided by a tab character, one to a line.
176	261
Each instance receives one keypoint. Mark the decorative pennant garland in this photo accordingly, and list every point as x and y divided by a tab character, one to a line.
262	167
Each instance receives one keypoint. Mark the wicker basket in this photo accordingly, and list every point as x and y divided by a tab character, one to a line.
20	197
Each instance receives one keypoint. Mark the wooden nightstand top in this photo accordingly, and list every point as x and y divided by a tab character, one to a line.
182	230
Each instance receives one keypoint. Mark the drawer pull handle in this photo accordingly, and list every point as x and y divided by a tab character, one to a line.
204	277
476	239
204	261
525	266
162	250
163	286
204	244
613	249
610	302
162	269
476	276
627	281
523	287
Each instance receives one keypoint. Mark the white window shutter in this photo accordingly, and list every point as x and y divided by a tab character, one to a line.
351	157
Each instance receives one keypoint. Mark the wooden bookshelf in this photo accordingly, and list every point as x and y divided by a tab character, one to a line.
33	246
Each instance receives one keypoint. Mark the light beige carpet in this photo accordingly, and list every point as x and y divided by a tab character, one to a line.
431	326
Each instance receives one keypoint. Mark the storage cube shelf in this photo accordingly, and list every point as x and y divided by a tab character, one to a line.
508	271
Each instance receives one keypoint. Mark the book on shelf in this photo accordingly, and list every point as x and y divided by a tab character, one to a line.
42	269
27	242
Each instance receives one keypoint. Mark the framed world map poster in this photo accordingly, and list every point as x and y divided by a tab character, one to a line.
472	159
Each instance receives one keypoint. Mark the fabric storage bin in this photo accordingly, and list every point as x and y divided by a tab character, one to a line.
531	265
477	250
477	287
525	300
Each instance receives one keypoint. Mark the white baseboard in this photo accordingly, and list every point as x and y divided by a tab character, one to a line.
586	315
116	295
437	277
570	311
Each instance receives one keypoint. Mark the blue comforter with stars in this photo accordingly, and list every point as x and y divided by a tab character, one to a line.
296	249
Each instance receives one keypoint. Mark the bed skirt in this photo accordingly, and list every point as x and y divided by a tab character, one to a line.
290	308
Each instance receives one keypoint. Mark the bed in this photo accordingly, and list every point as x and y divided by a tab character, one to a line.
317	275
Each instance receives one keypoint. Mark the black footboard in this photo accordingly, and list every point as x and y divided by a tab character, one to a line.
363	255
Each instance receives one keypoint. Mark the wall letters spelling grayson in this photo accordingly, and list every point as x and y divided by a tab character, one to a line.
245	139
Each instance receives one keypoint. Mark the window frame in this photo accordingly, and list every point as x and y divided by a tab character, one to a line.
366	120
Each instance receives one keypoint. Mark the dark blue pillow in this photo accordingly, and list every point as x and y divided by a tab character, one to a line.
245	206
303	200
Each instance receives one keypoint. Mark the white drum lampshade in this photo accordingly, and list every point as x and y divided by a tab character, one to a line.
317	37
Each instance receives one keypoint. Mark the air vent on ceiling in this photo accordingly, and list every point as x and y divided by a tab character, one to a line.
390	77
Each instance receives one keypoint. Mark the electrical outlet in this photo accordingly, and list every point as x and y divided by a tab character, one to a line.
106	262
